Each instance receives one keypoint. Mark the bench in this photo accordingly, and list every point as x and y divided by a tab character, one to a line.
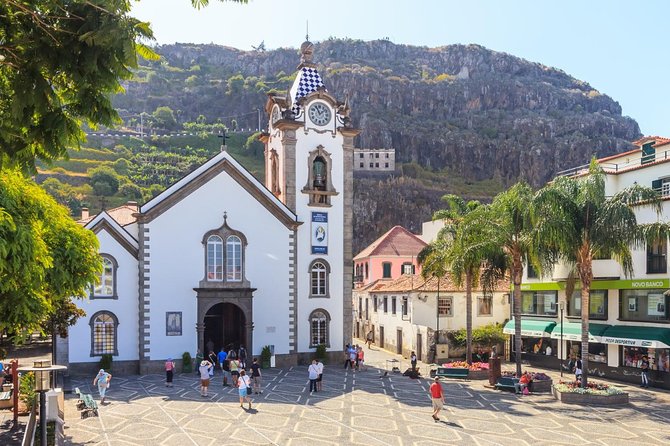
506	383
86	404
452	372
6	400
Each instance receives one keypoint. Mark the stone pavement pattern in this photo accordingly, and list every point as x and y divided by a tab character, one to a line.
355	408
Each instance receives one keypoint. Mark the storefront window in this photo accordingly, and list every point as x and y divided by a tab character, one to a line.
597	304
597	352
658	357
539	303
540	346
644	305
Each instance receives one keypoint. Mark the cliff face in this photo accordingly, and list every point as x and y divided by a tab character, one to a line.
484	115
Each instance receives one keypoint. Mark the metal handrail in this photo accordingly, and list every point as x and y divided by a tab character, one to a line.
616	167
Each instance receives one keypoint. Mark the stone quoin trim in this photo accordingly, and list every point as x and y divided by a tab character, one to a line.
144	294
293	293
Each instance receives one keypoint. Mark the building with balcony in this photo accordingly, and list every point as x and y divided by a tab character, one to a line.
630	316
374	160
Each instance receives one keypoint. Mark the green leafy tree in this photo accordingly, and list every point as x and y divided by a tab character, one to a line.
104	180
59	64
578	222
45	257
164	118
235	84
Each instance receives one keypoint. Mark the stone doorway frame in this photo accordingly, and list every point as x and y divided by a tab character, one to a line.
240	297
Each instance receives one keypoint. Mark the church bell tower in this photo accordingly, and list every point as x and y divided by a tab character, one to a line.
309	150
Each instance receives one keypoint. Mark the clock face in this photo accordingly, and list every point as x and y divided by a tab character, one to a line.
319	113
275	115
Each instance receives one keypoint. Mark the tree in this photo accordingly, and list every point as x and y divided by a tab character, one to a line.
104	180
578	222
45	257
164	117
508	238
59	64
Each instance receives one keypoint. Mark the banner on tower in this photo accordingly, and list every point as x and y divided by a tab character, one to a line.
319	233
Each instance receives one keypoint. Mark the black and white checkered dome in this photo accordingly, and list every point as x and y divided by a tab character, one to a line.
310	80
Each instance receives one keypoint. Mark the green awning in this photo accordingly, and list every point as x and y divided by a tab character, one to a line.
572	331
536	329
637	336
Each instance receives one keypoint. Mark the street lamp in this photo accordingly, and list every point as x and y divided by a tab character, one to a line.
42	370
561	306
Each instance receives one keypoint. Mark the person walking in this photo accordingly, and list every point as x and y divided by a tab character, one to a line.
412	360
235	370
243	386
243	357
102	380
256	376
199	357
369	339
578	370
319	379
212	361
313	371
204	376
222	364
347	361
644	367
353	357
437	397
360	359
169	372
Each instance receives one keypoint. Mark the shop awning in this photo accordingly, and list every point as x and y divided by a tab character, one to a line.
572	331
536	329
637	336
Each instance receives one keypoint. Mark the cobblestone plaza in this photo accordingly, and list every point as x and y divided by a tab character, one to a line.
356	408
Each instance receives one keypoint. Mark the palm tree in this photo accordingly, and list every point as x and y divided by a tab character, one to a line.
508	233
447	254
577	222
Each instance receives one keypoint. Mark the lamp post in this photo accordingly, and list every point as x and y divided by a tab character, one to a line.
42	370
561	306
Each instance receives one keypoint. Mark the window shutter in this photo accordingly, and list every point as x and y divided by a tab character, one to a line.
656	185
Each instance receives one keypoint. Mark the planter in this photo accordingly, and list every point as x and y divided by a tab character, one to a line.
542	386
478	374
589	399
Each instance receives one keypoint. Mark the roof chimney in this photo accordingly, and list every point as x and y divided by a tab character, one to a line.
84	213
133	204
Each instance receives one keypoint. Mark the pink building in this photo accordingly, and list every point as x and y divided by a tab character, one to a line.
389	257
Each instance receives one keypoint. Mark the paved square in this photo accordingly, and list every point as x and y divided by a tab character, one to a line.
354	408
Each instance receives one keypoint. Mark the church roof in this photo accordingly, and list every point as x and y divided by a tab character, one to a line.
214	166
308	79
398	241
105	221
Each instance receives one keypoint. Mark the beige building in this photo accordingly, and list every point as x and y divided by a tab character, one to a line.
374	160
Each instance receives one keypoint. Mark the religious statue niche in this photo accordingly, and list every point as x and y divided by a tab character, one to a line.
319	184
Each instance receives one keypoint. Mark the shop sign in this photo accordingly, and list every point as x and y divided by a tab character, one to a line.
634	342
630	284
540	286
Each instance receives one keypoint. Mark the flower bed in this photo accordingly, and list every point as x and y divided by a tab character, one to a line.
540	382
478	370
595	393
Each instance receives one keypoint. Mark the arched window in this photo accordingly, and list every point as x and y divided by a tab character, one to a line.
233	259
319	184
319	324
106	286
319	271
214	258
104	334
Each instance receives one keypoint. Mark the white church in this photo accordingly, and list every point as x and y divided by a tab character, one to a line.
220	259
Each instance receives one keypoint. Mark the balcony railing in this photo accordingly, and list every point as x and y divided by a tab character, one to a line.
618	167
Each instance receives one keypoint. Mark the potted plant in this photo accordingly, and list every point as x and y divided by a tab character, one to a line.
186	363
106	362
266	354
320	353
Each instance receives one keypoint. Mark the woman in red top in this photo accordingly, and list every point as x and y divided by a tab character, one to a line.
437	397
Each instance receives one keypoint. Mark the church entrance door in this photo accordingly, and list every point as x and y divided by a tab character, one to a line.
225	326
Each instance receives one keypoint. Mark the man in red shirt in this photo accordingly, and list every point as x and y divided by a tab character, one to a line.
437	396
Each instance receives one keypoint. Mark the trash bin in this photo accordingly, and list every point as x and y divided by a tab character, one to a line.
494	370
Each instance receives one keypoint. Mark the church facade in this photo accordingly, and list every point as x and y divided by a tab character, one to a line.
221	260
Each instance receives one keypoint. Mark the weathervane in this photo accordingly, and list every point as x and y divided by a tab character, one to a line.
307	30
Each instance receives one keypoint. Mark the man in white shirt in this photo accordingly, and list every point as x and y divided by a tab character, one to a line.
313	371
204	376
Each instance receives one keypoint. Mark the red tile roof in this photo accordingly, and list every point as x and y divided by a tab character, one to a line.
122	214
398	241
407	283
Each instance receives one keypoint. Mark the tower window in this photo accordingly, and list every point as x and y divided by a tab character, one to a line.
319	185
319	322
319	271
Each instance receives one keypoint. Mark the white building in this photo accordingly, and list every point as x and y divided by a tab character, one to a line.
374	160
220	259
630	316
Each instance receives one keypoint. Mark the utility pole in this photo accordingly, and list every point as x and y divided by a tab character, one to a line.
259	120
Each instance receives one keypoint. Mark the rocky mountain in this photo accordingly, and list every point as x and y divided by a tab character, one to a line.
462	118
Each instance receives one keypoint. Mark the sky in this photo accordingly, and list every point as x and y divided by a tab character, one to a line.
621	48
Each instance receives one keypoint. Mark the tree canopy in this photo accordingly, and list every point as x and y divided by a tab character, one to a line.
45	257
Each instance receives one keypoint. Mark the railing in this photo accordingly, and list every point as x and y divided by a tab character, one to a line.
617	167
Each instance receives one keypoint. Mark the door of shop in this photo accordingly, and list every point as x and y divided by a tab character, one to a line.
381	337
399	342
419	348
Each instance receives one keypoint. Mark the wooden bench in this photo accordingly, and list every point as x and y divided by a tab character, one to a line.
507	383
86	404
452	372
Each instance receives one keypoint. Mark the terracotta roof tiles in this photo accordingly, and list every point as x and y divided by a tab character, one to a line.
416	282
397	241
123	215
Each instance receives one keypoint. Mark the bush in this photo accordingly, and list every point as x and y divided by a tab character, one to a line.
27	389
187	363
320	353
487	335
266	354
106	362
